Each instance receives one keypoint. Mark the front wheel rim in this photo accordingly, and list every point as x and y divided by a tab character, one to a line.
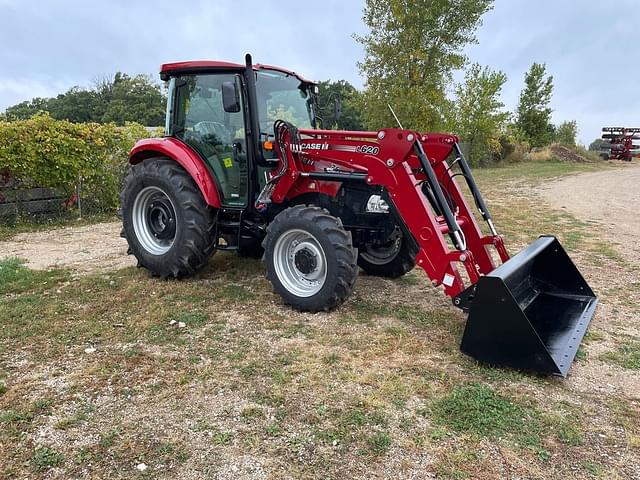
300	263
154	220
383	254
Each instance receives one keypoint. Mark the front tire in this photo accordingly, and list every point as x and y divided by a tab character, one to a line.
310	258
168	225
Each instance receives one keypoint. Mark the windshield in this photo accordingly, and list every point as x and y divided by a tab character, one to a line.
282	97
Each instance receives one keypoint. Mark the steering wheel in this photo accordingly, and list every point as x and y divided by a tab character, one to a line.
217	129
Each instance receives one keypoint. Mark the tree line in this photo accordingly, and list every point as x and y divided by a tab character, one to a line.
119	99
412	50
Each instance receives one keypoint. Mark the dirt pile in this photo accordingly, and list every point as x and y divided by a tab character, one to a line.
568	155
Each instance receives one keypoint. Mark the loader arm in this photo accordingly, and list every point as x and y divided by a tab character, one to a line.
404	165
531	312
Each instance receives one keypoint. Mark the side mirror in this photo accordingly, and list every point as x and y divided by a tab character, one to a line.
338	108
230	97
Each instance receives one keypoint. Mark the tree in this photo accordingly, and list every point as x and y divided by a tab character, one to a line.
27	109
351	118
119	99
596	145
77	105
410	52
477	113
134	99
567	133
534	113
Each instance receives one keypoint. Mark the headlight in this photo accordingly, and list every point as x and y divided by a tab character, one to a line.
376	204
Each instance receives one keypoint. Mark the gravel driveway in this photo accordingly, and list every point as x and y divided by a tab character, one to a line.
609	199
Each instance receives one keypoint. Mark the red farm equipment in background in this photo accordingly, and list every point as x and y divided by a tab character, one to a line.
243	167
619	143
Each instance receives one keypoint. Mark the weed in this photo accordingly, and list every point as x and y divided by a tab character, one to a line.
379	443
595	469
251	412
331	359
274	429
44	458
222	438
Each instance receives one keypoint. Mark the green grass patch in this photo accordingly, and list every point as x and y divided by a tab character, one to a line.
535	171
478	410
16	278
596	469
379	443
454	465
626	355
222	438
189	318
44	458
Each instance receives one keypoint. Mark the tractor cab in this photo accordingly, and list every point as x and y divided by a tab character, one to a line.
215	108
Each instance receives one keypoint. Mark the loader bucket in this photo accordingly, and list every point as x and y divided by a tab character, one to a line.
531	312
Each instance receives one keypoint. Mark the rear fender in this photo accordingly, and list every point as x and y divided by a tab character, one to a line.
189	160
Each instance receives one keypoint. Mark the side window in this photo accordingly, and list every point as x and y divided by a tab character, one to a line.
218	136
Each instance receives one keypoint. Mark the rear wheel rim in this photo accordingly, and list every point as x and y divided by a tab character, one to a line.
154	220
300	263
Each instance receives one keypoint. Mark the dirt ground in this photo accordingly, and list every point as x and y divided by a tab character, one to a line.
608	199
84	249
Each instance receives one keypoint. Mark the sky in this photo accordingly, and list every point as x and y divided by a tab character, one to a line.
48	46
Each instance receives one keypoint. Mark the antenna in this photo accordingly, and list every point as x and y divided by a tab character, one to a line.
395	116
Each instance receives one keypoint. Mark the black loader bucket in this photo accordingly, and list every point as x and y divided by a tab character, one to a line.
531	312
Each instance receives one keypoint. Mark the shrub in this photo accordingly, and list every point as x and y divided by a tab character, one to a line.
59	154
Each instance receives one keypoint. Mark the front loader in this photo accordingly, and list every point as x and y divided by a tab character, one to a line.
244	167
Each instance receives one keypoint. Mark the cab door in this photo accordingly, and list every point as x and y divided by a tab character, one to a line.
200	120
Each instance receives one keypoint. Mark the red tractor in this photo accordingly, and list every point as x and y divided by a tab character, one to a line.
243	167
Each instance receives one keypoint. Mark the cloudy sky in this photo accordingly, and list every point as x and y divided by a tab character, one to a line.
48	46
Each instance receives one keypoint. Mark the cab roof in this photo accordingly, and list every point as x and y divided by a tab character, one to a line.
193	66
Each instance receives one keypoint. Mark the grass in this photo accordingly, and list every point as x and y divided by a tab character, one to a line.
15	277
626	354
377	388
480	411
45	458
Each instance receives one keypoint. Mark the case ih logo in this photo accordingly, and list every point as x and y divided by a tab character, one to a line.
315	146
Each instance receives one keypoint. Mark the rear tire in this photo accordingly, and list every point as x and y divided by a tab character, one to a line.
390	261
310	258
167	223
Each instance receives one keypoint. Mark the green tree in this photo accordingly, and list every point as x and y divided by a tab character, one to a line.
351	117
120	99
597	144
534	113
27	109
134	99
76	105
567	133
477	113
411	50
